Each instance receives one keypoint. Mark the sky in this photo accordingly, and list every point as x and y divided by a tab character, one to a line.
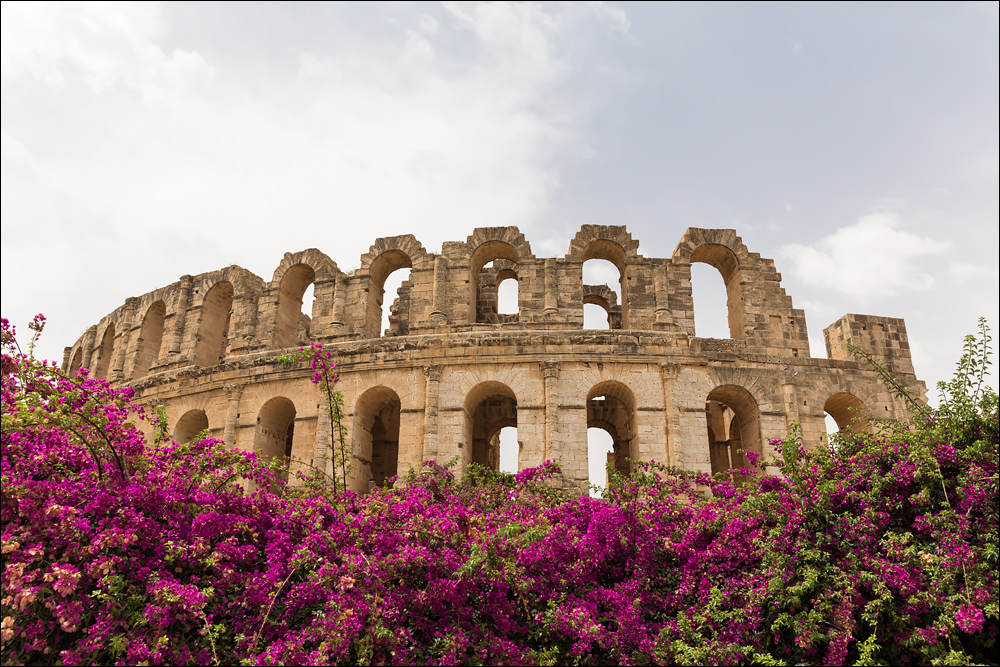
856	145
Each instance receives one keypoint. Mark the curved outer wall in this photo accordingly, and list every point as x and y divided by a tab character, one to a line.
451	371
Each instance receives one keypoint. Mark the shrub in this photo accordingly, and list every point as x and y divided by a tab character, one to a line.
880	550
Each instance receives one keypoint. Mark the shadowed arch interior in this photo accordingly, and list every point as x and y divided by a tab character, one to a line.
213	329
77	361
150	339
293	285
106	352
726	262
489	407
275	431
611	407
190	424
733	424
849	412
376	438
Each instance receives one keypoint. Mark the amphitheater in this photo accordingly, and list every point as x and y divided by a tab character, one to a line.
451	371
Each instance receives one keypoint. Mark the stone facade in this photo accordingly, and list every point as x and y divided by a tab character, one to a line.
451	371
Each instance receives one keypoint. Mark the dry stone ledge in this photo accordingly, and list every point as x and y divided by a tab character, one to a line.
451	371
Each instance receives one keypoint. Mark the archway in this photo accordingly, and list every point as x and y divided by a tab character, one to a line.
77	361
150	338
384	265
190	425
491	264
611	408
726	262
376	438
604	265
106	352
275	432
489	408
733	425
848	414
290	316
213	329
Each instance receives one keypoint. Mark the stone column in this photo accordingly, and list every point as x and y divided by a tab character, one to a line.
433	373
668	372
88	347
180	314
235	391
339	302
550	375
438	316
551	288
662	313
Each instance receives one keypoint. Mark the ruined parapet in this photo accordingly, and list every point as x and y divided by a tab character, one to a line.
451	371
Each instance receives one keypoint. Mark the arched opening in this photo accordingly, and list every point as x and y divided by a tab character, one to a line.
489	408
376	438
190	425
150	338
292	320
105	353
611	408
275	432
510	450
845	413
384	265
733	423
395	313
493	263
604	266
77	361
600	307
708	290
600	454
727	264
507	293
213	330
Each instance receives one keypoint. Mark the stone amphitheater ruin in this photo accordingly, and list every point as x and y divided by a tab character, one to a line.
451	371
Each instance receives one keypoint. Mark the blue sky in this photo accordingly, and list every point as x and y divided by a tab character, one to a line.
854	144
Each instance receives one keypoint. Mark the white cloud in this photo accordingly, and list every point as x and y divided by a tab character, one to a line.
872	258
964	271
100	44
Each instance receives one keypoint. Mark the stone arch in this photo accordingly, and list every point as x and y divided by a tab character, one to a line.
150	339
76	360
727	264
375	437
504	247
603	296
724	250
275	431
106	352
190	424
291	286
733	424
385	256
611	406
488	282
611	243
213	327
850	413
490	406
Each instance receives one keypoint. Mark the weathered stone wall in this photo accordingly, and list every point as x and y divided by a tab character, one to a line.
450	371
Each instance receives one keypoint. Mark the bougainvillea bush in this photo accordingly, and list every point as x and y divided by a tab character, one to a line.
118	549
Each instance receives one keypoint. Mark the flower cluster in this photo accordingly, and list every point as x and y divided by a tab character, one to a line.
115	551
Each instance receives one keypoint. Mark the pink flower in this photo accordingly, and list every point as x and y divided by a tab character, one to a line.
970	619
